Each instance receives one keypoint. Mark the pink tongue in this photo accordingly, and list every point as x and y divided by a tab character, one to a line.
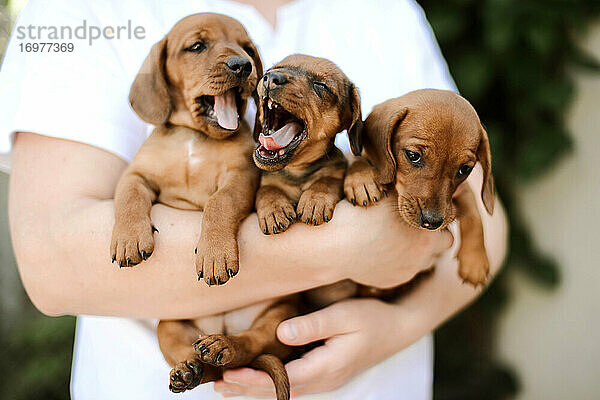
226	110
281	138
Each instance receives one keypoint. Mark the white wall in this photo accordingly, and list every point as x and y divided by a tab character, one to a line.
553	337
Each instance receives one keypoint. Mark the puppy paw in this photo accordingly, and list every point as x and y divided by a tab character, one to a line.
186	375
474	267
218	350
276	215
216	259
316	207
132	243
361	187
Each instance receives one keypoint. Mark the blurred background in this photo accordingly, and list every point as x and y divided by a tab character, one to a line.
531	70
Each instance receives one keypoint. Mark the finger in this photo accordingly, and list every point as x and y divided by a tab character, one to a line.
248	377
322	324
232	390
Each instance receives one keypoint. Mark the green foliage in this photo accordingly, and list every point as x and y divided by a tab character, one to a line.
512	59
35	357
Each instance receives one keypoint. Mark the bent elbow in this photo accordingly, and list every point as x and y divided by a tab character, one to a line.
45	294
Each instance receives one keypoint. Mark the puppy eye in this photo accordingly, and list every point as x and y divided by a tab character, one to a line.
413	157
320	88
197	47
250	51
463	171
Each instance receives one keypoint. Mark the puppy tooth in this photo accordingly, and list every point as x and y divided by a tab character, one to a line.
281	152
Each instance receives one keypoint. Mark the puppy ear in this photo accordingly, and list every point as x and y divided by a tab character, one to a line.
257	119
378	130
356	124
149	95
485	159
259	74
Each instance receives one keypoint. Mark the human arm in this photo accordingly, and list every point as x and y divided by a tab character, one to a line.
350	328
61	217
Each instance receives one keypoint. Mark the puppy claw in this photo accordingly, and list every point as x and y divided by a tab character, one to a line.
360	185
131	243
275	214
186	375
219	350
316	207
217	259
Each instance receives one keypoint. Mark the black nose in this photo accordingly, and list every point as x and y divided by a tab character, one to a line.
273	79
431	220
239	65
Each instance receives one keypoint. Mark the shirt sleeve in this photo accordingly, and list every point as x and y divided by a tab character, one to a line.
80	95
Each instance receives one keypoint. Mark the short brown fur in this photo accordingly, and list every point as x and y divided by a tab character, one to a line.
191	162
307	183
443	129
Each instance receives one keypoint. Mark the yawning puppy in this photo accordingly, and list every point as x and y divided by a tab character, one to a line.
194	86
424	145
304	102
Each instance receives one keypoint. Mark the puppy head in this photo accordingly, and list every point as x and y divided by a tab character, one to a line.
426	143
200	76
303	103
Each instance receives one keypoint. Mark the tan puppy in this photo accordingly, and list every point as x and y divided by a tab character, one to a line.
194	86
304	102
424	145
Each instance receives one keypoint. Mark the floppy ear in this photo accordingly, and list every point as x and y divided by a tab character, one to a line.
378	130
149	95
257	120
259	74
356	124
485	159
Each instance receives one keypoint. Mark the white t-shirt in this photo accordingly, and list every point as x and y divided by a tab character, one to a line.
385	47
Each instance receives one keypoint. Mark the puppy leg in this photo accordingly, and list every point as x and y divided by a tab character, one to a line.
274	210
175	339
360	184
317	203
132	239
472	257
241	349
217	257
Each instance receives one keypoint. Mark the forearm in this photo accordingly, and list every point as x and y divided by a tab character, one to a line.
61	225
72	273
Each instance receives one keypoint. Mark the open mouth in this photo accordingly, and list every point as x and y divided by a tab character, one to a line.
223	109
281	134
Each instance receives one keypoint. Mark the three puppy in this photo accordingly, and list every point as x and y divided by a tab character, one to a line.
193	87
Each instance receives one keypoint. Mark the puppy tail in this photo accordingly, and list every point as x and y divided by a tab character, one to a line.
274	367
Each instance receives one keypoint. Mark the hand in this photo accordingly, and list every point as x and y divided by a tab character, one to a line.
377	248
350	329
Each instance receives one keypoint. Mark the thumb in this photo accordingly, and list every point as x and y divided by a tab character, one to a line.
330	321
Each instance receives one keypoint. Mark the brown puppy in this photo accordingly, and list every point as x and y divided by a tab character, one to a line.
194	86
425	144
304	102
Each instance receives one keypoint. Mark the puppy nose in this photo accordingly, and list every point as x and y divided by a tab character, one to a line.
273	79
431	220
239	65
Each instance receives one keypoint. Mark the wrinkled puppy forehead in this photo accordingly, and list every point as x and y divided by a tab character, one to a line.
208	27
440	113
316	68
